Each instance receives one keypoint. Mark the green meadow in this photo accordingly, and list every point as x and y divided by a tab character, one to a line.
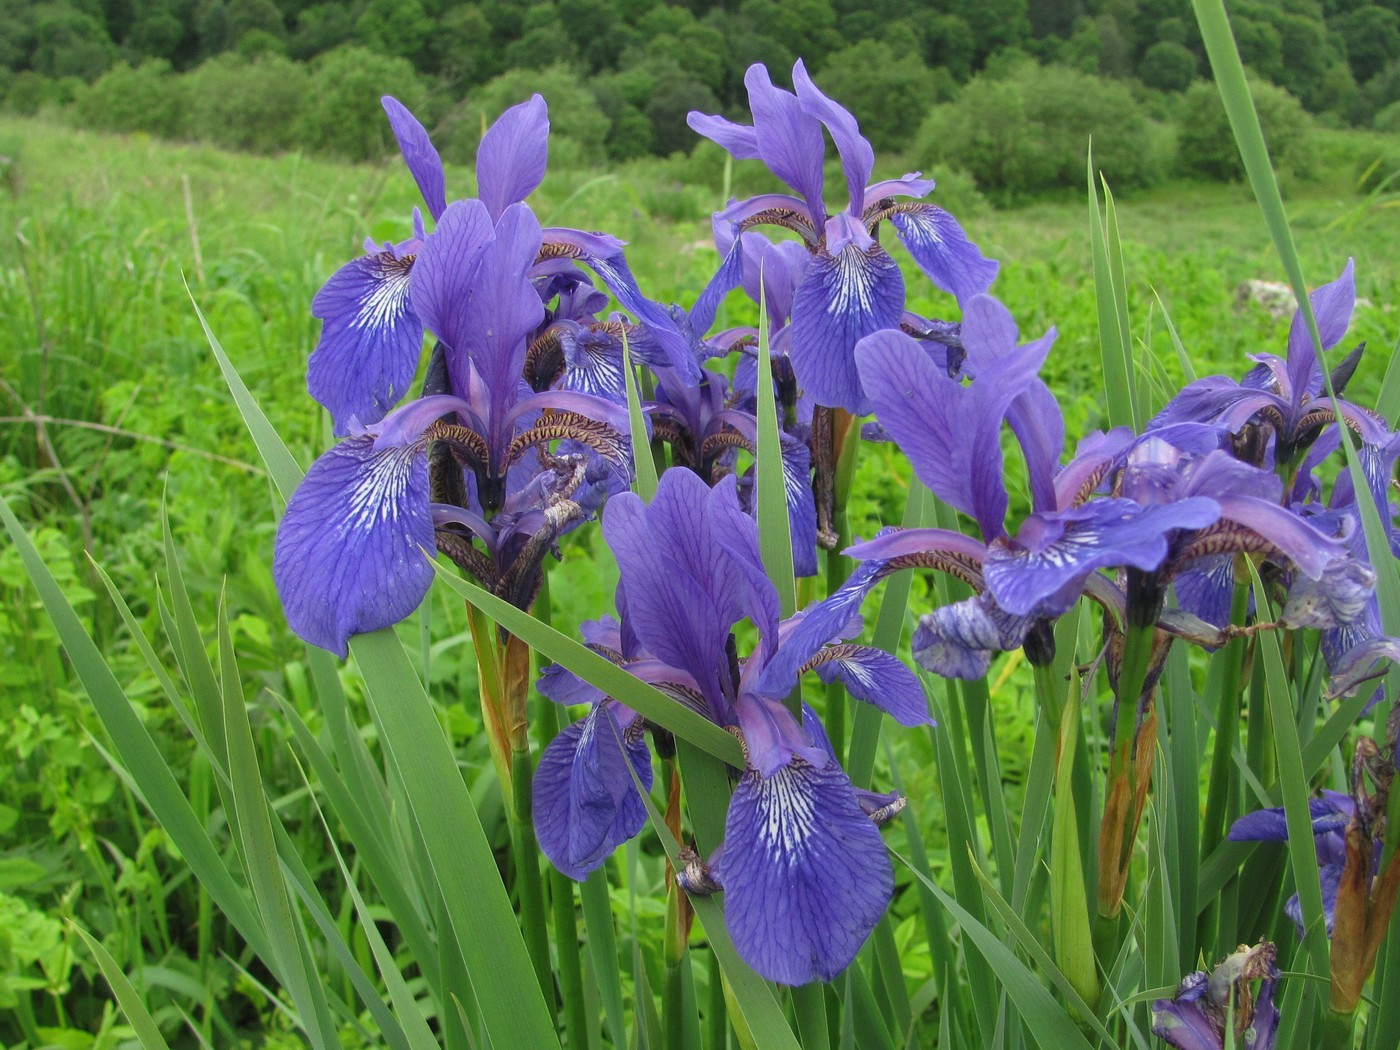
118	437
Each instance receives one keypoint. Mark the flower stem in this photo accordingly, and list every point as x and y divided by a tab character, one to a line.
527	873
1337	1031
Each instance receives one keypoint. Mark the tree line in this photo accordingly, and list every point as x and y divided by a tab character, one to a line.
621	74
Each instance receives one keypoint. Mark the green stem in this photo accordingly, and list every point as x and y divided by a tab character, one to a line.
570	960
527	870
1338	1031
716	1018
836	702
809	1004
1227	730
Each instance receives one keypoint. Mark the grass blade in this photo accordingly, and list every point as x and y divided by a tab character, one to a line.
597	670
140	1019
774	526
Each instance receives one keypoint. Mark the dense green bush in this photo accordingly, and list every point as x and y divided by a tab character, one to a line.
577	124
341	114
246	105
887	90
1206	146
146	98
1026	133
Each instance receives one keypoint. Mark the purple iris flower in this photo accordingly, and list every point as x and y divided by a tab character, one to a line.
853	286
1284	399
804	873
1198	1016
373	321
1330	816
349	555
951	433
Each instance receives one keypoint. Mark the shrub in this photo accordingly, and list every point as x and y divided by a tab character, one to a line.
246	105
1026	132
888	91
147	98
577	125
28	92
1167	66
341	113
1206	145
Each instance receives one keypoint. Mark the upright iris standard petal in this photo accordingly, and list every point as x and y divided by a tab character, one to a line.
949	432
419	154
350	549
371	339
443	276
841	299
1332	305
805	874
739	140
943	251
681	594
857	156
789	140
511	159
737	533
586	802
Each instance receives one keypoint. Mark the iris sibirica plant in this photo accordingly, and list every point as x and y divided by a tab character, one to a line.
1224	507
1149	653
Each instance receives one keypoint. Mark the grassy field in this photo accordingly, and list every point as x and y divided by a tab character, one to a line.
112	412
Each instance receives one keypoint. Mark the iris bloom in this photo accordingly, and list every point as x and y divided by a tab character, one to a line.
1197	1017
349	555
804	873
371	309
853	286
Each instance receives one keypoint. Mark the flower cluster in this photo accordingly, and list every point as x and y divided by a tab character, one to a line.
521	433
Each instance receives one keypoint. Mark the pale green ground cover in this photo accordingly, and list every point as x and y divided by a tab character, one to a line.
99	330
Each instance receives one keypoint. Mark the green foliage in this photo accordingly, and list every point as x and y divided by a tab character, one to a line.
888	90
248	105
1025	133
398	28
319	28
69	43
28	92
1167	66
147	98
576	122
1205	147
341	114
1372	37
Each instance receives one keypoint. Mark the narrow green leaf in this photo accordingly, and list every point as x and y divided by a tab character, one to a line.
774	526
646	481
286	934
1188	370
1114	353
151	776
1249	136
1031	945
128	998
1120	301
281	465
1293	781
1046	1020
607	676
382	861
414	1030
480	919
602	949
